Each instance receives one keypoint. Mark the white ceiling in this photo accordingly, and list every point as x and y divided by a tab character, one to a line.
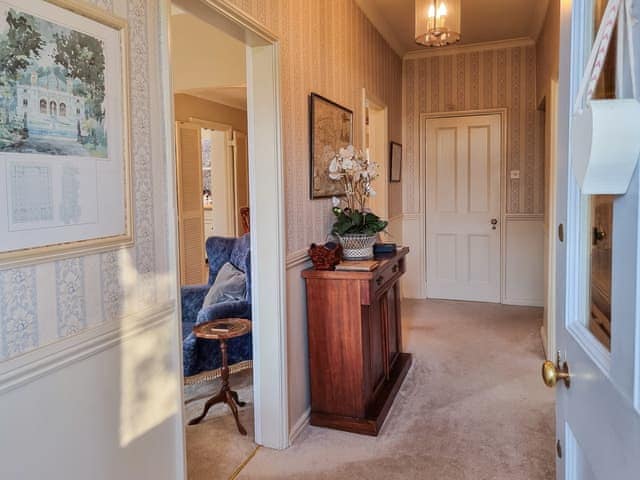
482	20
206	62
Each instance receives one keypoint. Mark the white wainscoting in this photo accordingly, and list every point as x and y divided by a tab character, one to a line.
97	401
414	283
297	344
523	260
394	230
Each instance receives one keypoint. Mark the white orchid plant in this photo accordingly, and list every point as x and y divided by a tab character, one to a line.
356	172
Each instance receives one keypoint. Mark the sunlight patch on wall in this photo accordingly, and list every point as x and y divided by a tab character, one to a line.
149	390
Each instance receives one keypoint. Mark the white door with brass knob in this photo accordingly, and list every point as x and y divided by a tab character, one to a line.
596	373
463	155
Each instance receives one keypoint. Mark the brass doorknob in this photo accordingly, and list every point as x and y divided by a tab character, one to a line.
552	372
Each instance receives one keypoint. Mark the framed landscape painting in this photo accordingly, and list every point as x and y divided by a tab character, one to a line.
331	128
64	126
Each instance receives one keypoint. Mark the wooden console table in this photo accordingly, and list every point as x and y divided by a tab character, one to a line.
355	345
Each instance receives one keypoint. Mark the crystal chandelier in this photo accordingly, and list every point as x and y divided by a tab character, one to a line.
437	22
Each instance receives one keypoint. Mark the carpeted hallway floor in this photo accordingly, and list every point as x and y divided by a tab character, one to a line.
472	407
215	449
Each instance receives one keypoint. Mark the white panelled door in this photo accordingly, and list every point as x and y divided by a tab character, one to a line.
463	156
598	412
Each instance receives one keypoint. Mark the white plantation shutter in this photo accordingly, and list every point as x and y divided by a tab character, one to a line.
190	211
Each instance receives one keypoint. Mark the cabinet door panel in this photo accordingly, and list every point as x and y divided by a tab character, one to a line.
393	321
376	346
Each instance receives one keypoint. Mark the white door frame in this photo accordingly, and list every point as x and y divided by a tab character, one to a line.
424	118
266	201
551	126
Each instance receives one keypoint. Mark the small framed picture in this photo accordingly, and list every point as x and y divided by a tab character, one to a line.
395	167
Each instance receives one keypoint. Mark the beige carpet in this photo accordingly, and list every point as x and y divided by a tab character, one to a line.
472	407
215	449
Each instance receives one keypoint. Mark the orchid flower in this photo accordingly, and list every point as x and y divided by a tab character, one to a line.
356	172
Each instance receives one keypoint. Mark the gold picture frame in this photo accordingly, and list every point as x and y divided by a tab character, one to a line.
330	128
116	96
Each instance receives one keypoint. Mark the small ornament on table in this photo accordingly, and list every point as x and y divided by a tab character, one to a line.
325	257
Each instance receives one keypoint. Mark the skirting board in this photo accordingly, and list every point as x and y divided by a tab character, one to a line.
523	302
300	425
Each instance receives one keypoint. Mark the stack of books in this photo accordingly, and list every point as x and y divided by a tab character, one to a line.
357	266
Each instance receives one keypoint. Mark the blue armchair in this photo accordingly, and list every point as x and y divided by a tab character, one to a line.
204	355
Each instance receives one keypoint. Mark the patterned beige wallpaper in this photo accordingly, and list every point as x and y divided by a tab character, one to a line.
547	50
42	303
470	81
328	47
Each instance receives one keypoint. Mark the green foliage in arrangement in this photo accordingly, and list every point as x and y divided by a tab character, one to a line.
356	222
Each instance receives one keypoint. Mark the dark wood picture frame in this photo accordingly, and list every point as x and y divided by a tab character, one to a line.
322	131
395	162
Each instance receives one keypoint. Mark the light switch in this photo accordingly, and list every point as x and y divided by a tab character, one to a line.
515	174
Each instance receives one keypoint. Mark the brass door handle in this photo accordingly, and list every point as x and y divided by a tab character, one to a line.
552	372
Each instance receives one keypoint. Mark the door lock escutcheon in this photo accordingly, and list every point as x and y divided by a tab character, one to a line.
494	222
598	235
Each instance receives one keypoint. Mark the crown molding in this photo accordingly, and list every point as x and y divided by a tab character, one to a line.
472	47
381	24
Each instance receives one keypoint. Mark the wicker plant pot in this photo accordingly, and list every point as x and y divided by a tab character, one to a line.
357	246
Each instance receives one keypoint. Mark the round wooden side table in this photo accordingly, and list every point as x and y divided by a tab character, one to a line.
222	330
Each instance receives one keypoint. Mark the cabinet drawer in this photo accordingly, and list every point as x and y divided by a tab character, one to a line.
386	276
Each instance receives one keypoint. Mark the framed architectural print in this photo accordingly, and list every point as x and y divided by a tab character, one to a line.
395	162
64	126
331	128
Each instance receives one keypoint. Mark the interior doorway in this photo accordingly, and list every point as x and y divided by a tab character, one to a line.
376	144
213	188
265	191
463	154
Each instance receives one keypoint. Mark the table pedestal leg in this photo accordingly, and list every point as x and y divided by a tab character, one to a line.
225	395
